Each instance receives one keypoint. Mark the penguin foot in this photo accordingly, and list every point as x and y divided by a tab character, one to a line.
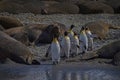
57	62
54	63
35	62
83	52
72	55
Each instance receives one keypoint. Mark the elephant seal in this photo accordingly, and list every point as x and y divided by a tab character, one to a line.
35	33
109	50
15	50
60	8
47	34
116	59
100	28
93	7
18	33
1	28
9	22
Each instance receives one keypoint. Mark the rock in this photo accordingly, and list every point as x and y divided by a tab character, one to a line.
93	7
9	22
99	28
13	49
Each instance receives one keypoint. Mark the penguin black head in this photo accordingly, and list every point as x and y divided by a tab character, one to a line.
44	11
75	33
86	28
83	28
56	31
56	35
72	26
65	33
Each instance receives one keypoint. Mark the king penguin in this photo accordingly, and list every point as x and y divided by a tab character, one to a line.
71	36
55	50
90	38
65	45
71	33
83	40
75	44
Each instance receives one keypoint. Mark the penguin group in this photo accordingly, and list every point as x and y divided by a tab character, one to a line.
70	44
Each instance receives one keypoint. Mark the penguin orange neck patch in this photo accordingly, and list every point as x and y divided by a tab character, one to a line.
82	32
55	40
66	37
70	31
75	37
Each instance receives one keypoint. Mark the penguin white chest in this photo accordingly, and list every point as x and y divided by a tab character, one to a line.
83	37
55	48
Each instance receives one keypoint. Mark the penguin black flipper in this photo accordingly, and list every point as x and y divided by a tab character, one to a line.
48	51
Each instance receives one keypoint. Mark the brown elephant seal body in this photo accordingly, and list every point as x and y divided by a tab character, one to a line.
38	33
1	28
34	30
91	7
100	28
12	6
9	22
110	51
116	59
61	8
19	34
48	32
13	49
